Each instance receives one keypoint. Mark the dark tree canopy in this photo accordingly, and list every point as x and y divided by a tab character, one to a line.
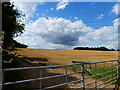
18	45
10	26
94	48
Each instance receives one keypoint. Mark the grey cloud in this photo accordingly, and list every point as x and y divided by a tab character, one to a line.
68	39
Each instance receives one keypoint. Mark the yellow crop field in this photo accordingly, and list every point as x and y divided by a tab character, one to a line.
67	56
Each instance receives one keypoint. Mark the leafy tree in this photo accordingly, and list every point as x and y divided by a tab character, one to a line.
11	27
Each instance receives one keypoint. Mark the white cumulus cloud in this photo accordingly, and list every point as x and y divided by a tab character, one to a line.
100	16
62	33
106	33
27	8
57	31
116	22
116	8
62	4
51	9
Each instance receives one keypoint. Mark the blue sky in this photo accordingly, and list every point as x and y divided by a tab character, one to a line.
65	25
88	12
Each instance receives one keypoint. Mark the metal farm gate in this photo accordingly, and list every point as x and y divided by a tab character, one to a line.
78	75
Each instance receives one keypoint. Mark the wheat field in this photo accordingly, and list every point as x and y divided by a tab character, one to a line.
67	56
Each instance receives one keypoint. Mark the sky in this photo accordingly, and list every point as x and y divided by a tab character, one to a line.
65	25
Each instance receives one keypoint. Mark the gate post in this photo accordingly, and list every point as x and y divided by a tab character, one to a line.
66	78
83	82
118	74
40	80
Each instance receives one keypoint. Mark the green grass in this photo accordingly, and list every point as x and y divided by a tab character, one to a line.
96	72
102	71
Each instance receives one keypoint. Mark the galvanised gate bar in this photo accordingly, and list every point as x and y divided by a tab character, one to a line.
89	75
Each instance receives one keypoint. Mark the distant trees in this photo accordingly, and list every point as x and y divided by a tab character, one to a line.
118	49
94	48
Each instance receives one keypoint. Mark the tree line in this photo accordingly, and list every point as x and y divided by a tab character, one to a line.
96	48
